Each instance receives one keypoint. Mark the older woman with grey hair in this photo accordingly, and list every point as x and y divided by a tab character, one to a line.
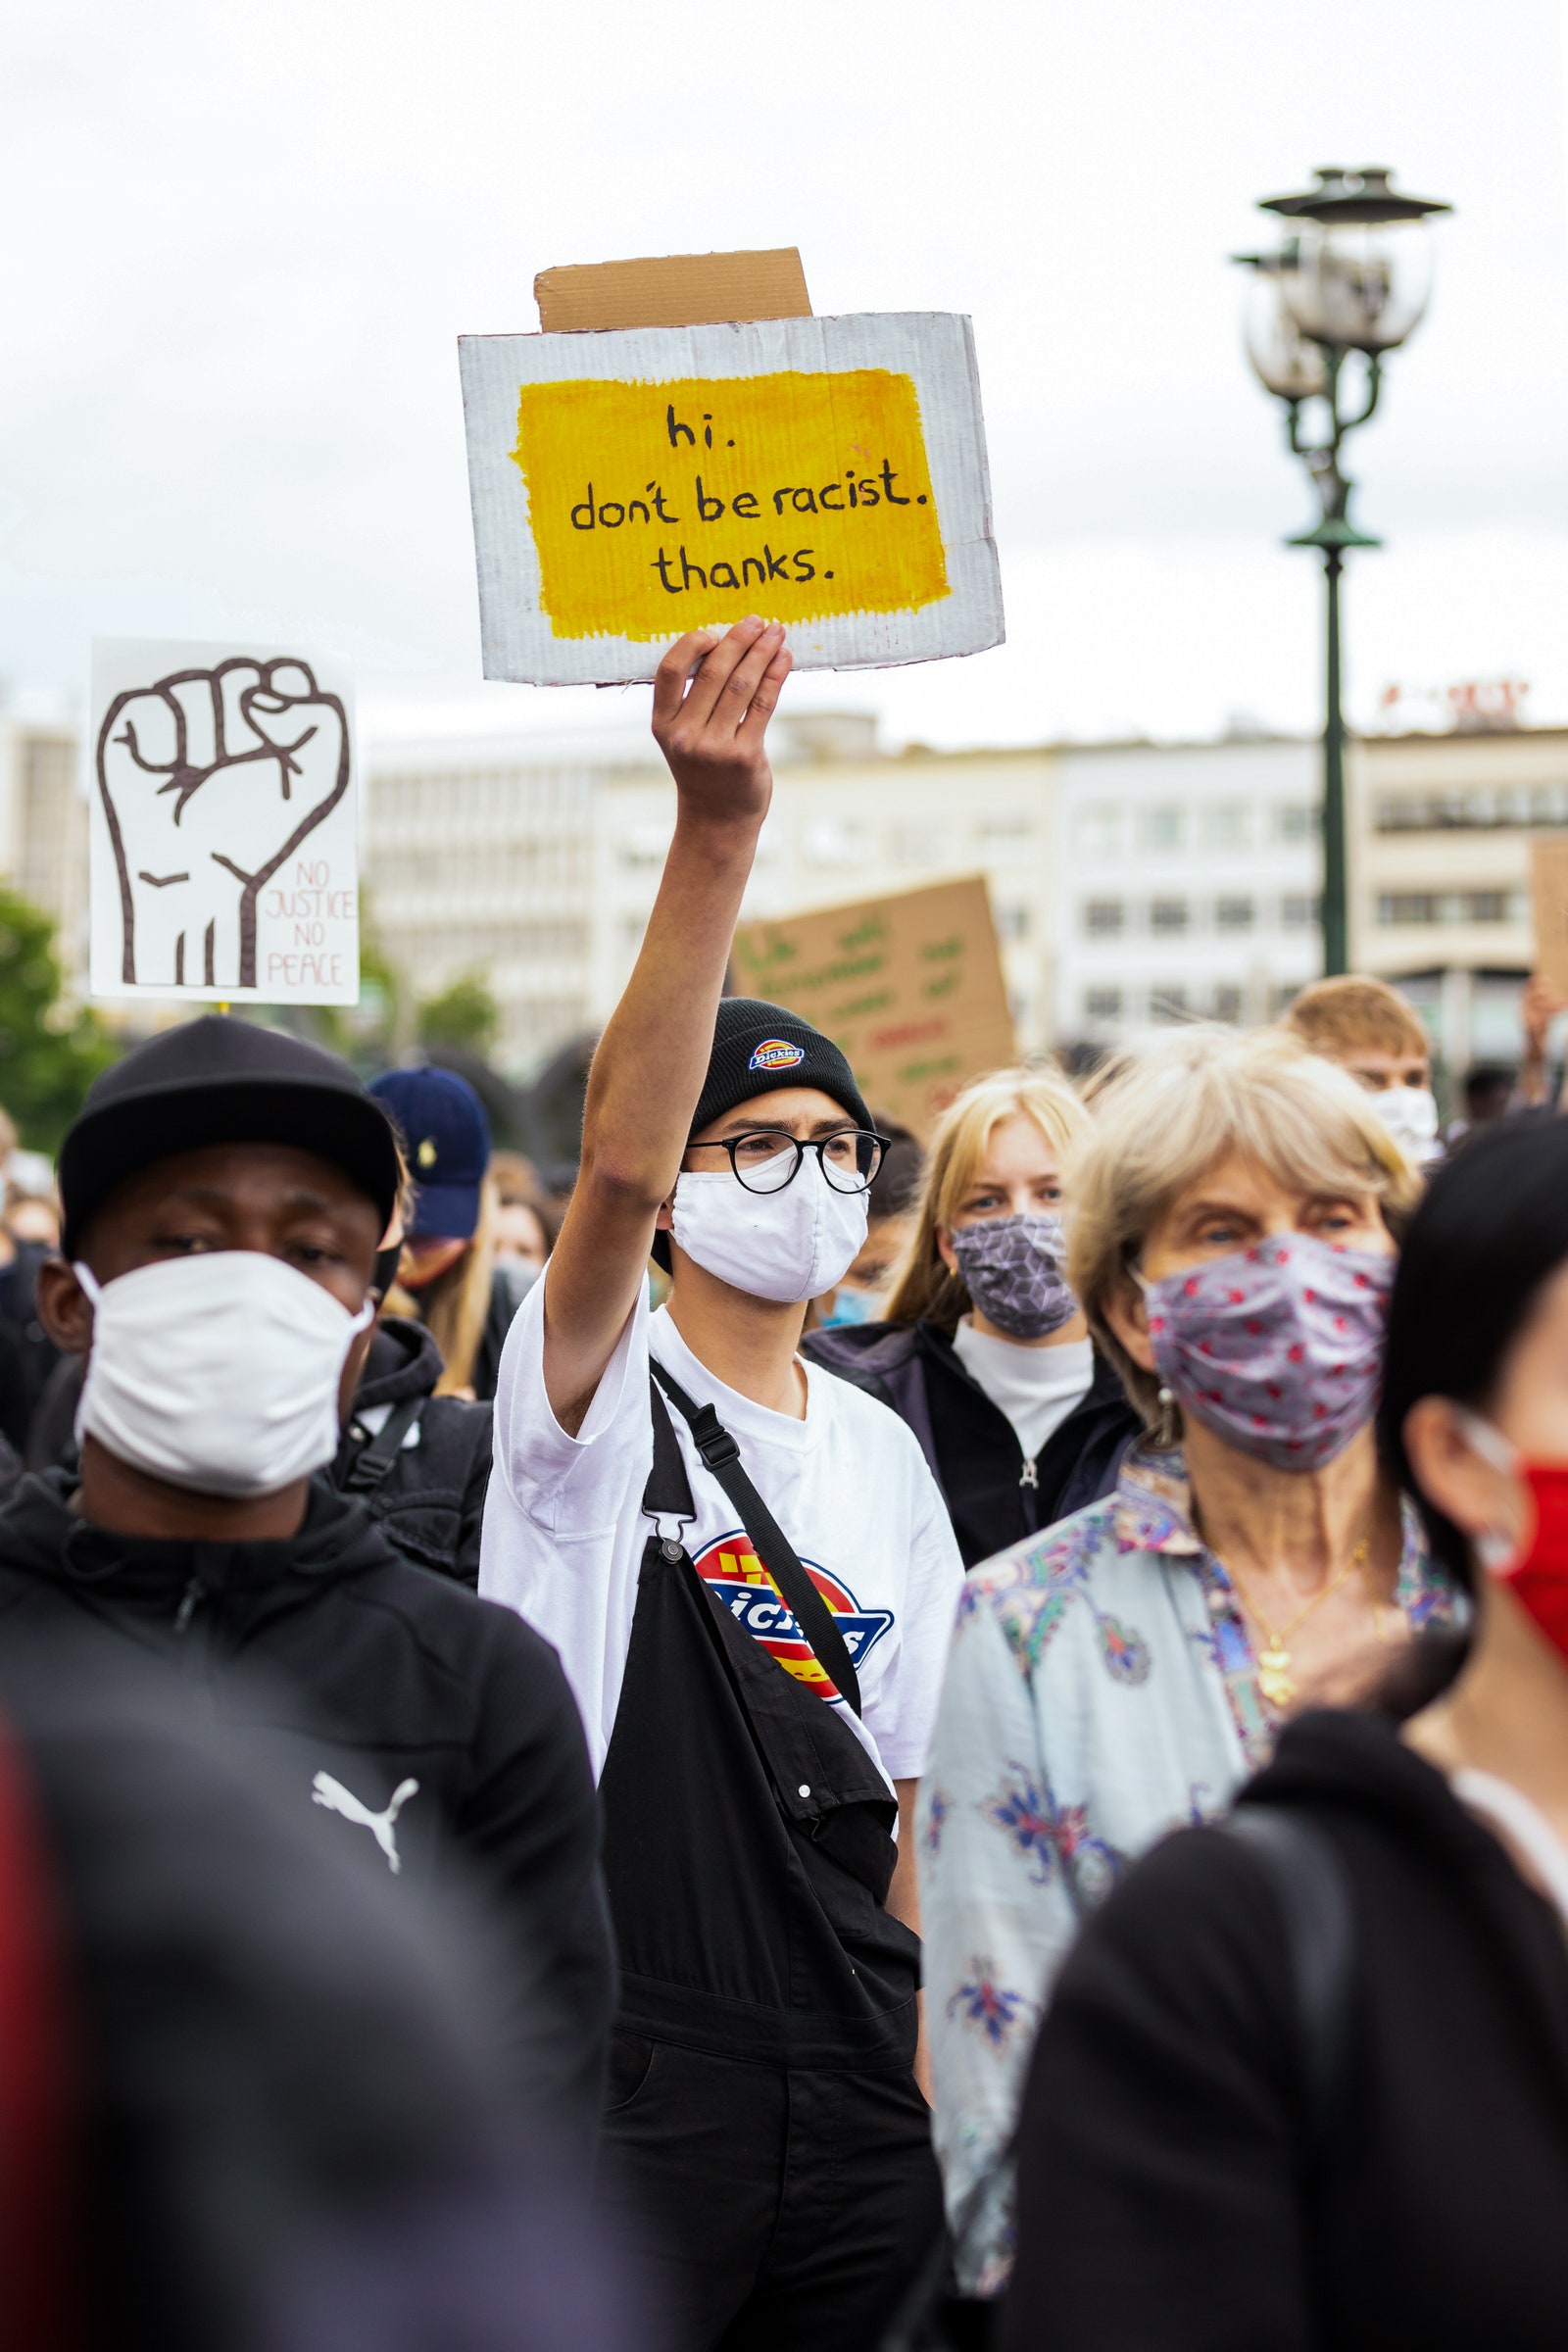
1232	1240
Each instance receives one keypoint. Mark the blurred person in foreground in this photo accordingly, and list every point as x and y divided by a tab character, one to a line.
252	2095
981	1347
1375	1033
751	1577
418	1460
890	1211
224	1192
1348	2128
1234	1213
447	1276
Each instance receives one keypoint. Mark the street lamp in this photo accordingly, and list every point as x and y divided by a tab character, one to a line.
1353	275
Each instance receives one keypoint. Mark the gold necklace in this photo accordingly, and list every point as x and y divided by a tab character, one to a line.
1274	1677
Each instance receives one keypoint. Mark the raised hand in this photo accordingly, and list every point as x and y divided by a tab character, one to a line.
209	780
712	698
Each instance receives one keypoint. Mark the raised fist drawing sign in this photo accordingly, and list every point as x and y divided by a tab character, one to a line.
209	780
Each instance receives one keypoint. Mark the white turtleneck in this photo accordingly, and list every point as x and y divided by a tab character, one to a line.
1036	1388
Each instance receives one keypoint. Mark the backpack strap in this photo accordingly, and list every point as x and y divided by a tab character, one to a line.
1314	1901
372	1462
722	1457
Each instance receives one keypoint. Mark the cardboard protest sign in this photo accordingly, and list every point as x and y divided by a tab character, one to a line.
910	987
829	473
1549	882
224	832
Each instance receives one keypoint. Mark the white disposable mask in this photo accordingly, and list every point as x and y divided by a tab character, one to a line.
217	1372
1410	1115
788	1246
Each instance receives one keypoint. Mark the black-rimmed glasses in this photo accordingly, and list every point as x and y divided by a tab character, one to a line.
766	1159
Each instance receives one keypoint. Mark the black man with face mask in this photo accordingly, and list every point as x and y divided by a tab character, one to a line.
224	1192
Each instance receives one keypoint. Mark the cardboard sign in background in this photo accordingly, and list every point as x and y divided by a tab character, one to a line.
910	987
827	472
1549	882
225	824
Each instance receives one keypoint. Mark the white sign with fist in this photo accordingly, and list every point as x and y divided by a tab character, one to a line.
224	826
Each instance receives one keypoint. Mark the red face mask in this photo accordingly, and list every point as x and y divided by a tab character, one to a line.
1538	1577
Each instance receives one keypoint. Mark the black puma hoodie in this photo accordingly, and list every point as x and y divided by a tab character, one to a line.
417	1715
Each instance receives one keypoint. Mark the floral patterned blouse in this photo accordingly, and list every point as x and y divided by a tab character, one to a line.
1101	1690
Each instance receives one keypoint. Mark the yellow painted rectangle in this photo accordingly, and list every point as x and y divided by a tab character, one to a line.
656	507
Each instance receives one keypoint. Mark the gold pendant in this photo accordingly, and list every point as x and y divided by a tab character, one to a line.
1274	1678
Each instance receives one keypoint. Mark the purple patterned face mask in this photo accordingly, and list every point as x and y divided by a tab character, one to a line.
1279	1349
1011	1268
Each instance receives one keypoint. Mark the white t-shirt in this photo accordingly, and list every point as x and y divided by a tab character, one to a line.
564	1530
1036	1388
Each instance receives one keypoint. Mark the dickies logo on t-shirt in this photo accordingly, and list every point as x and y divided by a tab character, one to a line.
776	1053
731	1569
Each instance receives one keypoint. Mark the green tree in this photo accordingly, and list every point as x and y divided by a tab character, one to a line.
50	1053
465	1015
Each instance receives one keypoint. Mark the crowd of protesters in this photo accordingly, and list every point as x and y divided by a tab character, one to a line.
856	1741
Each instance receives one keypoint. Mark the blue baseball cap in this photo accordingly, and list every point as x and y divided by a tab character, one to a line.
446	1138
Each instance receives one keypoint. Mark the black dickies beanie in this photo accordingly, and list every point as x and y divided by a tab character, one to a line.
759	1046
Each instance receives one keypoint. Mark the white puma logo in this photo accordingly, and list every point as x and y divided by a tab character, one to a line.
338	1800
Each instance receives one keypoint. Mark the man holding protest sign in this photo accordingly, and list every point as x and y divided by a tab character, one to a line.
751	1578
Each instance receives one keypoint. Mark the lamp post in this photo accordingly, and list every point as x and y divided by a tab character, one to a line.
1352	275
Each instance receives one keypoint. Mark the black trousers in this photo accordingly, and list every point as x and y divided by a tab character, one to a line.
772	2210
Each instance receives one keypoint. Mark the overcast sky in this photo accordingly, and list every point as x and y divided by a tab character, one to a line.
241	244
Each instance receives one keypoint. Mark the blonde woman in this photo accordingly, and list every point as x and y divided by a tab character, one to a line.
1235	1208
984	1350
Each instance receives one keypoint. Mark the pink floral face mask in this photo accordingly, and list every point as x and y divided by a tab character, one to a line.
1278	1349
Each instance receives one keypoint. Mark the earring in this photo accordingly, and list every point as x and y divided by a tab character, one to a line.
1168	1421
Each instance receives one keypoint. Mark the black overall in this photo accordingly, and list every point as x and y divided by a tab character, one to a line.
765	2134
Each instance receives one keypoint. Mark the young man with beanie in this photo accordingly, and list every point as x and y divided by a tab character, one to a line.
747	1568
224	1192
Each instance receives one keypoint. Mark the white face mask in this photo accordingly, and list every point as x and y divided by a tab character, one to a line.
787	1246
217	1372
1410	1115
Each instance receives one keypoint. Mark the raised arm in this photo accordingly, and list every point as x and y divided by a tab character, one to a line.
712	698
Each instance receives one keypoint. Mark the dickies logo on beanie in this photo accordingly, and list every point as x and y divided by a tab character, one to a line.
776	1053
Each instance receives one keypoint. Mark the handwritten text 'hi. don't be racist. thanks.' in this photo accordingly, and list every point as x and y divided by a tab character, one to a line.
649	499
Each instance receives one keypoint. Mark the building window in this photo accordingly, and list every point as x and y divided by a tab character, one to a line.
1102	1005
1233	914
1168	1004
1479	809
1097	829
1161	828
1226	826
1104	917
1013	922
1294	820
1299	913
917	845
1227	1002
1005	824
1167	914
1397	907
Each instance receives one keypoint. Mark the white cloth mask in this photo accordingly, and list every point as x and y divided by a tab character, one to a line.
1410	1115
217	1372
789	1245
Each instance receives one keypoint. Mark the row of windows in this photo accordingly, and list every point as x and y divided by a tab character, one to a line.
1103	828
554	863
1478	810
537	793
1224	1002
476	945
1112	918
1397	907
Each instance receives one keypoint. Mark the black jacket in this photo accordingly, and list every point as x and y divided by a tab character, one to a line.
1163	2150
430	1503
444	1717
970	1445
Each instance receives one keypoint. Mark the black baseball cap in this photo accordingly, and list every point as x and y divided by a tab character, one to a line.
222	1080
